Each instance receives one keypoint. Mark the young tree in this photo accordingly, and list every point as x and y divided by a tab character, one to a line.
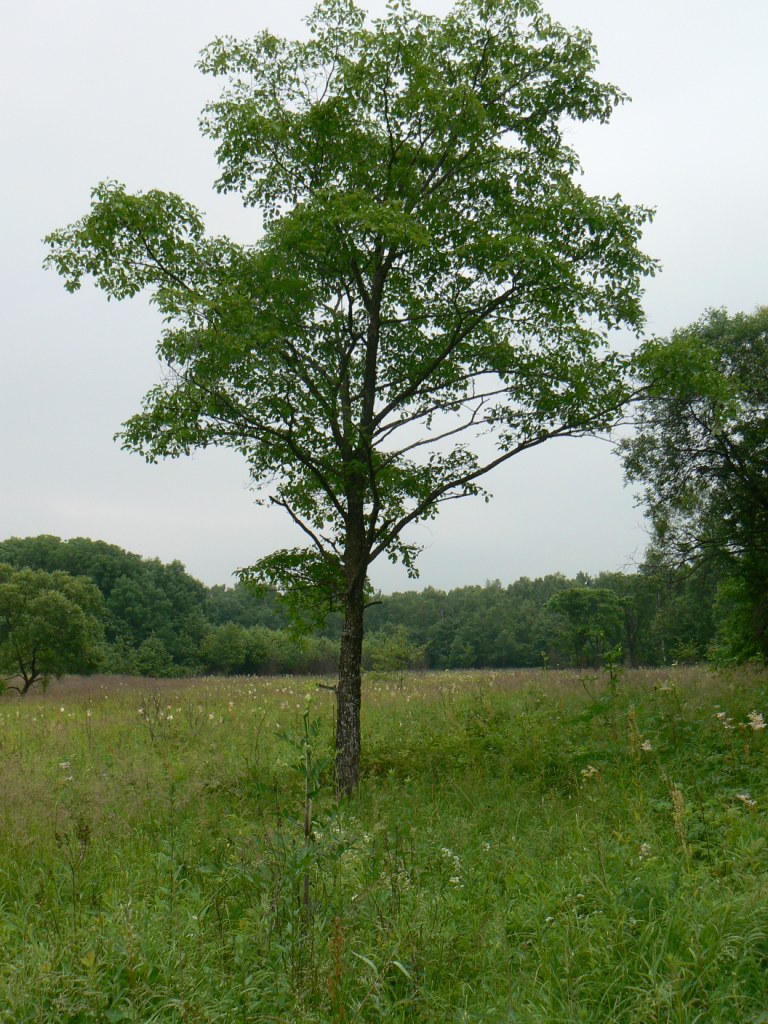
430	272
701	450
50	623
393	649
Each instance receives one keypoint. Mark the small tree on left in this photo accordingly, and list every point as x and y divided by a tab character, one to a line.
50	623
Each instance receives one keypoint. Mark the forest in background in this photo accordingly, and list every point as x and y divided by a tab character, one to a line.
157	620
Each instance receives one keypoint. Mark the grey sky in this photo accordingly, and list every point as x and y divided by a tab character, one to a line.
94	89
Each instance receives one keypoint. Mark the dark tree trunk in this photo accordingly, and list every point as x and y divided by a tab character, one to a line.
357	551
29	681
348	697
350	662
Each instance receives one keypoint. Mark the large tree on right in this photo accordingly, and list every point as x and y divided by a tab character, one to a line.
701	454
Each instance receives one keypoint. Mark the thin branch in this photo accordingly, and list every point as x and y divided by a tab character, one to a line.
391	532
316	540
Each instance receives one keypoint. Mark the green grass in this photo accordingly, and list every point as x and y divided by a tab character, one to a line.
514	855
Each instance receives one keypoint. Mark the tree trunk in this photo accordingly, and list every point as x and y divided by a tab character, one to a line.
348	689
348	695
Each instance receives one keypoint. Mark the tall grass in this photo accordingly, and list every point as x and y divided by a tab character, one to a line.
526	847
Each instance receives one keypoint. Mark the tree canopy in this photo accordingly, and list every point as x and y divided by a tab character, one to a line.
50	623
429	298
143	597
701	452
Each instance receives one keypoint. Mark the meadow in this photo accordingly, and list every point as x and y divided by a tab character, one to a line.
528	847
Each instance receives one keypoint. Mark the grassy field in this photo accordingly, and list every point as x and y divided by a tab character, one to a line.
526	847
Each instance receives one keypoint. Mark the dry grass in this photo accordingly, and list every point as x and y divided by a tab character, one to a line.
691	678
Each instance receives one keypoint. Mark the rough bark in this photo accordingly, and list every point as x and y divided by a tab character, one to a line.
357	554
348	698
348	689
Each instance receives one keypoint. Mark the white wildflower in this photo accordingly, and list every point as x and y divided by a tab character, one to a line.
746	799
646	745
644	852
756	721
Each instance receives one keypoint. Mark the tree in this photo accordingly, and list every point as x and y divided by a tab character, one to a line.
594	622
429	274
142	596
701	451
49	624
639	595
392	649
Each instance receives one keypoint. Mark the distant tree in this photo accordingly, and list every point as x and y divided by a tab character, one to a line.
245	606
393	650
639	595
594	622
50	623
701	451
430	271
153	658
142	596
225	649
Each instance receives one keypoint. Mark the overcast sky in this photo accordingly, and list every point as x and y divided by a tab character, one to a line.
95	89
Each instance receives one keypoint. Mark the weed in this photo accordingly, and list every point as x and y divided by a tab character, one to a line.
519	850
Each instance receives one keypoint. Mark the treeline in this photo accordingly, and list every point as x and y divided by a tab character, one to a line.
557	621
158	620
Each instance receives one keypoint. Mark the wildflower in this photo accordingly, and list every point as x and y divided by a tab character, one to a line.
746	799
756	721
646	745
62	710
590	772
644	852
456	880
211	716
450	855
